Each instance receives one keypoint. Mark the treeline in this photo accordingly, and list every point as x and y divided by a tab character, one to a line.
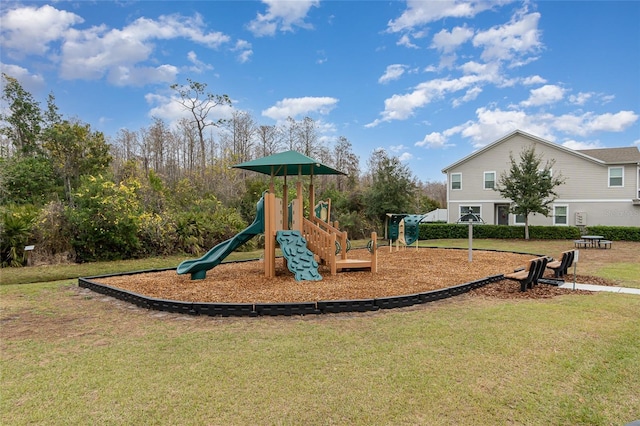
77	195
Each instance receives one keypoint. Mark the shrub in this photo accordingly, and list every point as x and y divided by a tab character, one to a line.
157	235
52	233
206	224
16	229
430	231
105	220
616	233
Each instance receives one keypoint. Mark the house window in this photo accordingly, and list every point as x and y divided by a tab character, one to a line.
519	219
465	209
616	177
489	180
456	180
560	215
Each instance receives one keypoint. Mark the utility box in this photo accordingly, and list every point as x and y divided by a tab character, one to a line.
581	219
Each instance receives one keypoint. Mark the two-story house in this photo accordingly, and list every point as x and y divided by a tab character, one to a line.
602	186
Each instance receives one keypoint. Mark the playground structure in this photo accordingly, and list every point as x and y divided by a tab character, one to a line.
305	242
403	229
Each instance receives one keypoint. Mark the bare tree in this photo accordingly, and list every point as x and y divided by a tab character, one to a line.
188	137
346	161
437	191
268	140
308	136
200	104
290	134
242	130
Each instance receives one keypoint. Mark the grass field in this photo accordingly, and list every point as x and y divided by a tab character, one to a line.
69	356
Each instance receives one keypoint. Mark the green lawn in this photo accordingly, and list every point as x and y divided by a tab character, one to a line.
69	356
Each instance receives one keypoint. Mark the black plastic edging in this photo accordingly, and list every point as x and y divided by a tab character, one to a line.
275	309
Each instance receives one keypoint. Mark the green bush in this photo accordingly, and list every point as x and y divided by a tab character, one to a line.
430	231
157	235
16	229
616	233
105	220
206	224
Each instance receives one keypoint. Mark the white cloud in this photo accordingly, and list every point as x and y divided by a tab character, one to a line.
405	156
469	96
401	107
393	72
282	16
547	94
90	54
245	49
293	107
577	145
168	108
534	79
448	41
125	56
420	12
433	140
511	41
581	98
397	148
405	41
492	124
590	122
198	66
30	30
28	81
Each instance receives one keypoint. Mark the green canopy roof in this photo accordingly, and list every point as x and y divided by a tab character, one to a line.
288	163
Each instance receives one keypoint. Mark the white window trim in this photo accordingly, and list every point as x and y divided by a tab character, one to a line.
609	177
451	186
460	206
566	215
484	180
515	222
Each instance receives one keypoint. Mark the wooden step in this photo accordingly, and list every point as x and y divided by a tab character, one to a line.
352	264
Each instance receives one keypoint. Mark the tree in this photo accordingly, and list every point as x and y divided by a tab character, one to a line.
393	187
308	136
530	187
24	118
346	161
268	140
200	104
75	151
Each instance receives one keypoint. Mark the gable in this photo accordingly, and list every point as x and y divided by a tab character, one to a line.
533	139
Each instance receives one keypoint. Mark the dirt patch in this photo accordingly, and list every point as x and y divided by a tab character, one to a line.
401	272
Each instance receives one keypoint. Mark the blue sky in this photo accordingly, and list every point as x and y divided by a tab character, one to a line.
429	81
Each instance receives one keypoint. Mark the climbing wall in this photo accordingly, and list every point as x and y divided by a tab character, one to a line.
412	228
300	259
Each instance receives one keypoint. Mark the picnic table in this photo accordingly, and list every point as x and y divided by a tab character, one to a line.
592	241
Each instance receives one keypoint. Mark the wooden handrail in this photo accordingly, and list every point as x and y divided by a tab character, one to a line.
321	243
341	236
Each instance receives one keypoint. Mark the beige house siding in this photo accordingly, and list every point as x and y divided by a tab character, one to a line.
586	188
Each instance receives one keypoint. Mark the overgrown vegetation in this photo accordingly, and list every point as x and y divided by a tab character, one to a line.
163	191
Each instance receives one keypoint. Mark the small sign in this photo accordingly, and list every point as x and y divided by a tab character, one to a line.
575	258
29	248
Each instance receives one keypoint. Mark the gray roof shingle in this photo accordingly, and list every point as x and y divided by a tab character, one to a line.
614	155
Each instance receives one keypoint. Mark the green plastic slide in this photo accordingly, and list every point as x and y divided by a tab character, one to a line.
198	267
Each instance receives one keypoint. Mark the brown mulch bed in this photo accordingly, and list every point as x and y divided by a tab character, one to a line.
407	271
